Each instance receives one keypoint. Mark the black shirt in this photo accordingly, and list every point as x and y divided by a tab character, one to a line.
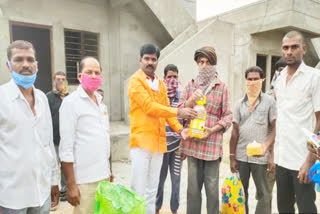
55	103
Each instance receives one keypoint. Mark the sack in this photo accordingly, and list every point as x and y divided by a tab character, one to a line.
113	198
232	193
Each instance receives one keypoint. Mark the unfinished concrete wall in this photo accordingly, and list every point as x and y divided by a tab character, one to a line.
132	25
191	7
60	14
219	35
172	14
123	26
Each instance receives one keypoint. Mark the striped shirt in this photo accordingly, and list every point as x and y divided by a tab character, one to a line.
218	113
173	139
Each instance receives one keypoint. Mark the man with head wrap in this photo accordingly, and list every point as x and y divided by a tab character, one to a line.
204	154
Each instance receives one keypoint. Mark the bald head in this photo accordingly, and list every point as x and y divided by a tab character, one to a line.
293	34
89	60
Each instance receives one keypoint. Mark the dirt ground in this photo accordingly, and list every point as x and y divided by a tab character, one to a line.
122	172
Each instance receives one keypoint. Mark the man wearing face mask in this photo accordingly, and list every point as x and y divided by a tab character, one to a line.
171	159
204	155
149	112
55	98
29	169
85	141
254	119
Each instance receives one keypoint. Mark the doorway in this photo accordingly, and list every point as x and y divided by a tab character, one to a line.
40	37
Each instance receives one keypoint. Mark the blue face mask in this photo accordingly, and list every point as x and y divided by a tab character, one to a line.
22	80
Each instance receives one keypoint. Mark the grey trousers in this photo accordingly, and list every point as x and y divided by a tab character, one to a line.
290	191
203	172
259	175
173	162
44	209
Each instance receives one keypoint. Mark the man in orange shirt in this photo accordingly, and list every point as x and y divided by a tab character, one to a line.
149	112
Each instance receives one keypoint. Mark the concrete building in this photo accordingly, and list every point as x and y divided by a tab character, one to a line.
63	31
247	36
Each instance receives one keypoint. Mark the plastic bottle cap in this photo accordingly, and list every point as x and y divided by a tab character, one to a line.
202	101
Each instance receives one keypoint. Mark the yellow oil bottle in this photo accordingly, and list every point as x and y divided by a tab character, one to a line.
197	125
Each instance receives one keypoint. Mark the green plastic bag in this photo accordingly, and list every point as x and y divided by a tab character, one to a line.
113	198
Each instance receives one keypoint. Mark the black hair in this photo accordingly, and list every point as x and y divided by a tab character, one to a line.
149	49
83	62
295	33
20	44
60	73
170	67
280	63
255	69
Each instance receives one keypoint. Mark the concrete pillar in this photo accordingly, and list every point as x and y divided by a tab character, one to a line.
4	43
115	108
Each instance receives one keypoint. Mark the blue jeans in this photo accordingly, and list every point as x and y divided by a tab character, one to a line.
172	161
44	209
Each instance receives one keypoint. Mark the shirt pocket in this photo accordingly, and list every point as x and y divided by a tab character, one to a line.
261	117
213	104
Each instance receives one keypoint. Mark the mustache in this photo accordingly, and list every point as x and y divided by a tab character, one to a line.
25	70
149	66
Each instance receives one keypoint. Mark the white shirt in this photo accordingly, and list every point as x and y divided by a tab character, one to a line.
27	156
153	84
296	103
85	139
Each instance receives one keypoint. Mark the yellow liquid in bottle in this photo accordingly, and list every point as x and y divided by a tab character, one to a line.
197	125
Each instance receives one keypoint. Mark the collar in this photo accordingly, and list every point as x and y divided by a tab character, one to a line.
14	91
147	77
84	94
300	70
245	98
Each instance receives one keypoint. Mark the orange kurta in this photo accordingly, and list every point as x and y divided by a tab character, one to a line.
149	111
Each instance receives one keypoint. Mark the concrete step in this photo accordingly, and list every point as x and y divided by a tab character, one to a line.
119	138
180	39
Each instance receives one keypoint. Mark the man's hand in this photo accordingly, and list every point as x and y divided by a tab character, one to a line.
233	164
55	195
197	95
303	173
315	152
271	165
264	151
187	113
185	133
183	157
73	195
111	179
207	133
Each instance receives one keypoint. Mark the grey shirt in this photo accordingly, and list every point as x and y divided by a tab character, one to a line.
254	126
